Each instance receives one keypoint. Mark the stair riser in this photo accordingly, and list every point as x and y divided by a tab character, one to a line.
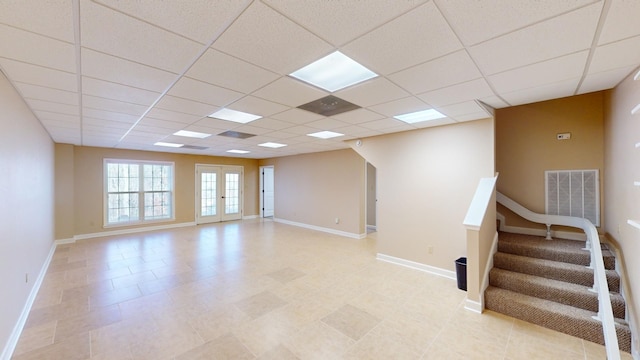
582	299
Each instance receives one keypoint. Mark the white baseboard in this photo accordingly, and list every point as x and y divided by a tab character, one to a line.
580	236
323	229
473	306
10	347
249	217
123	232
417	266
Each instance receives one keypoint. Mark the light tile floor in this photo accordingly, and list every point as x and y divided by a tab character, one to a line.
257	289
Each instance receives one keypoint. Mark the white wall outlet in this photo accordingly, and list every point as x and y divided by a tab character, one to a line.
563	136
337	220
430	249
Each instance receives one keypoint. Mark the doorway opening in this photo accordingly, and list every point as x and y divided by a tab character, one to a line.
372	198
267	192
218	193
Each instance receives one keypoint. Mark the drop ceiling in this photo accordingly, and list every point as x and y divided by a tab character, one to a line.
128	74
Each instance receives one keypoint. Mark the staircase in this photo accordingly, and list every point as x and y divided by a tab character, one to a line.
547	282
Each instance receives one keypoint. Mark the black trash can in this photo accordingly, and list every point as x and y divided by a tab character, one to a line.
461	273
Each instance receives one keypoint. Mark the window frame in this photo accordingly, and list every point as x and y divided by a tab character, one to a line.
141	192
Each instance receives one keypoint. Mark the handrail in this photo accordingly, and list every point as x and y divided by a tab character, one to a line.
600	286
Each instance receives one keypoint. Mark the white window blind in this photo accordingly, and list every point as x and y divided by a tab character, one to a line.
573	193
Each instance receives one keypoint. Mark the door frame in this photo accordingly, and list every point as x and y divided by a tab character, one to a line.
221	181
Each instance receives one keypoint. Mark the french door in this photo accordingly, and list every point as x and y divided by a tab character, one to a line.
218	193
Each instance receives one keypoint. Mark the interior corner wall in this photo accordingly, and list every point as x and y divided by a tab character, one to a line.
622	169
27	209
426	179
316	189
526	146
64	192
88	182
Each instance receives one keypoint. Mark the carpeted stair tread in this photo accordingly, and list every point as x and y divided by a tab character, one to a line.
571	273
554	290
569	251
563	318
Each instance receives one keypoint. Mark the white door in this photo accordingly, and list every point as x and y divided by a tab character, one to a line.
218	193
267	199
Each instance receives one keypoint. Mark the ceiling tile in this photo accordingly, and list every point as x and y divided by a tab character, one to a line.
476	21
257	106
44	93
267	39
88	120
494	101
117	34
38	75
184	18
114	91
339	22
110	68
203	92
434	123
160	124
385	124
604	80
550	39
53	116
36	49
272	124
327	124
616	55
28	15
445	71
399	107
621	22
43	105
425	36
218	124
290	92
99	103
62	124
566	67
542	93
358	116
463	108
358	131
474	89
372	92
229	72
186	106
250	129
168	115
109	115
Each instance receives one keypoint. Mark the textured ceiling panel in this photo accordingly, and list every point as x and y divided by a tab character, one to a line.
187	88
36	49
29	15
44	93
38	75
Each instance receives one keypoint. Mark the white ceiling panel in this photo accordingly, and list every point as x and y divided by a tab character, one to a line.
110	68
290	92
372	92
566	67
425	36
187	88
115	91
358	116
45	116
474	89
464	108
604	80
134	40
257	106
402	106
271	124
36	49
327	124
358	131
232	73
250	129
542	93
216	124
44	105
616	55
99	103
386	123
339	22
172	116
182	17
445	71
38	75
472	117
147	124
44	93
494	101
560	36
434	123
28	15
109	115
87	120
186	106
621	22
477	21
267	39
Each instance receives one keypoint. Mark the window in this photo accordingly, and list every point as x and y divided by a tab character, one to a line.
137	191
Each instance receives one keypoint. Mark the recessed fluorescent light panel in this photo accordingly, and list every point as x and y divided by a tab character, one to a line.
272	145
334	72
419	116
234	115
325	134
238	151
173	145
192	134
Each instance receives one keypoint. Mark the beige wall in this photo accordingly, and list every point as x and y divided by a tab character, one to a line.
315	189
64	192
87	179
426	180
622	168
371	195
26	212
526	146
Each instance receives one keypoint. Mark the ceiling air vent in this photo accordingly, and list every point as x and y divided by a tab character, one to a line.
193	147
329	106
236	134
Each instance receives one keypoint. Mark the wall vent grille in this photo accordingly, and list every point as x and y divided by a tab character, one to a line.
573	193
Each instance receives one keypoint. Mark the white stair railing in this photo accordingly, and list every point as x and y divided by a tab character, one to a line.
605	312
